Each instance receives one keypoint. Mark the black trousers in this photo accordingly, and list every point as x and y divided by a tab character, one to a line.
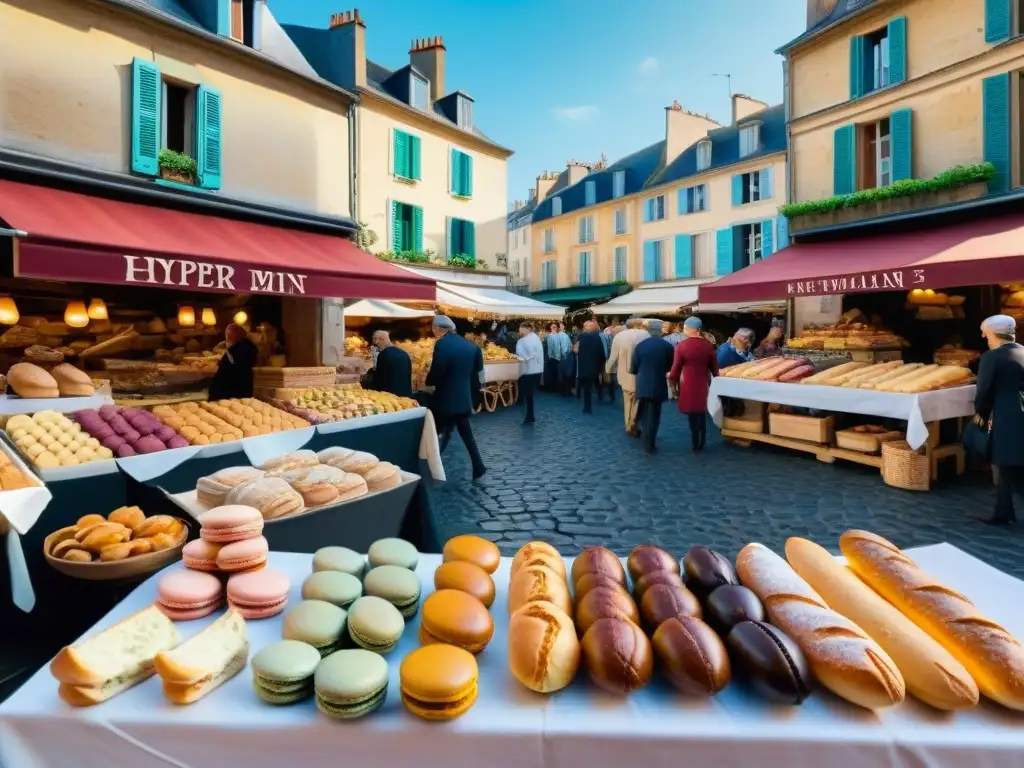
447	424
649	414
698	429
1010	482
586	386
551	380
527	388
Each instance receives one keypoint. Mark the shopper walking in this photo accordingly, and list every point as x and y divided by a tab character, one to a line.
590	361
455	375
609	379
530	352
652	361
694	364
999	403
557	349
619	361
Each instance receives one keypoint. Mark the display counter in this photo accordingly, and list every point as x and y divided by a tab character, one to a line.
510	726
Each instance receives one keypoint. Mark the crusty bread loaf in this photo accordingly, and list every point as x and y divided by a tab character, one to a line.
893	375
993	657
919	373
942	376
931	673
207	654
872	372
761	366
827	376
29	380
841	655
734	371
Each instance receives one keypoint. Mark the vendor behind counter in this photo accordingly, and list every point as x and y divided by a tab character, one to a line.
234	377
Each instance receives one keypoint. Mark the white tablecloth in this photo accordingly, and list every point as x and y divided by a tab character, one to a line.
510	726
916	410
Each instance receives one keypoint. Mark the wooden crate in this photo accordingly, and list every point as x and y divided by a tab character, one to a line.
750	424
875	355
865	442
809	428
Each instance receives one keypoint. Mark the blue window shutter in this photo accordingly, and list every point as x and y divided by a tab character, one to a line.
414	157
996	128
783	224
857	46
456	172
209	156
684	256
650	261
844	161
590	192
649	209
723	252
765	184
417	229
897	33
737	189
400	154
469	238
146	93
998	17
902	142
467	173
449	230
396	226
767	241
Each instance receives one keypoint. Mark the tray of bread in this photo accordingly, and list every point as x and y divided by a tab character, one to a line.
866	438
895	376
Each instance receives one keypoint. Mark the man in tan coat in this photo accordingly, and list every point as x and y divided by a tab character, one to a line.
618	362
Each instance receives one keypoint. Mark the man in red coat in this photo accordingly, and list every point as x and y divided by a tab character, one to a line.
694	364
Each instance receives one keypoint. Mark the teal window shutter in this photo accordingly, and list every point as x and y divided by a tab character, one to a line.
650	261
469	238
857	48
767	243
467	175
209	157
401	154
783	225
897	34
417	229
682	202
589	192
723	252
996	128
414	158
146	93
844	180
456	172
684	256
449	229
998	19
648	209
396	226
902	139
765	184
737	189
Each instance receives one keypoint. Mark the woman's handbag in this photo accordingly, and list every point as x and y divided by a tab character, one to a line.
977	439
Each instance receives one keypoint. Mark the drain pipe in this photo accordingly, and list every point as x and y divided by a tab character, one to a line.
353	162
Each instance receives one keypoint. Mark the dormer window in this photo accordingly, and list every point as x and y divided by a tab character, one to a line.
419	92
703	155
556	206
465	107
242	21
750	139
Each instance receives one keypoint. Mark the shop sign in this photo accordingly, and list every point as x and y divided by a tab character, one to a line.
888	280
201	275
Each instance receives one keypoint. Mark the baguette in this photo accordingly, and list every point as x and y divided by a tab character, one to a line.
206	655
795	375
893	375
777	371
872	372
918	373
826	376
841	655
993	657
734	371
758	368
931	673
943	376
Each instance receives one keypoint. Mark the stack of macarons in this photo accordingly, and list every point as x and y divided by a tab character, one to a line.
351	683
282	672
189	595
467	565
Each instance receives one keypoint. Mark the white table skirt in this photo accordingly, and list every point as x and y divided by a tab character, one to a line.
916	410
510	726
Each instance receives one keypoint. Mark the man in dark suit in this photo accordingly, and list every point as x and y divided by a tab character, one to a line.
455	376
1000	401
393	371
652	361
590	359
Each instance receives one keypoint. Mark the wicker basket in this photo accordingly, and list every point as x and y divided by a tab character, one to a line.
864	442
752	424
903	467
810	429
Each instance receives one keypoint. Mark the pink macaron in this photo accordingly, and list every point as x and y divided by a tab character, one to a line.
200	555
245	555
258	594
188	595
233	522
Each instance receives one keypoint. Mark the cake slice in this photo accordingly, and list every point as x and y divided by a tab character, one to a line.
206	660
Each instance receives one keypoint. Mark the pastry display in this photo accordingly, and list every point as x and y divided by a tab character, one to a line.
339	559
456	618
439	682
273	497
30	381
385	475
646	558
692	656
205	661
359	462
246	555
617	655
351	683
850	333
188	595
393	551
11	477
49	440
399	586
841	655
229	523
955	354
258	594
288	461
465	577
704	570
115	659
375	624
318	623
893	376
730	604
282	672
321	484
128	431
335	587
213	490
602	603
543	649
666	601
201	555
95	539
769	661
992	656
345	401
598	560
538	582
221	421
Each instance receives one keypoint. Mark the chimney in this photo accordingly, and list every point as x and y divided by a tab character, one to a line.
427	56
348	36
683	128
544	184
744	106
517	205
531	195
577	171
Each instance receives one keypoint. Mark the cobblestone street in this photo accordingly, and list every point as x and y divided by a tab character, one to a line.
577	480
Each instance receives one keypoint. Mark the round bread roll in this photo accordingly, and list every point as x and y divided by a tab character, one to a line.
28	380
543	651
71	382
617	655
538	553
598	560
646	558
591	581
603	603
666	601
538	583
648	580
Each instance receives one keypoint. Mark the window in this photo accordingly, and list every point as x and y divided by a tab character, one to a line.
556	206
751	187
179	117
704	254
548	275
693	199
549	240
654	208
462	174
461	238
878	58
620	221
589	192
876	168
515	269
619	270
703	155
419	92
237	21
586	229
653	252
406	227
750	139
405	156
751	239
465	113
241	21
584	260
515	238
619	183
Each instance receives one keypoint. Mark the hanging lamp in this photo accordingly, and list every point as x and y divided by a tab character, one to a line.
186	316
76	315
97	310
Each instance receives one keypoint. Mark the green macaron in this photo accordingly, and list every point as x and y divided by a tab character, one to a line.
399	586
318	623
375	624
282	672
339	559
341	589
351	683
393	552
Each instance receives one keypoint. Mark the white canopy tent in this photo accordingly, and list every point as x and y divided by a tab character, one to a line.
384	309
653	300
493	301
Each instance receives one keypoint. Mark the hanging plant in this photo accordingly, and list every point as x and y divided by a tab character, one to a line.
174	166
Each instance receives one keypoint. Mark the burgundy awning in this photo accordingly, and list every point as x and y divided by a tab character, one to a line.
81	238
979	252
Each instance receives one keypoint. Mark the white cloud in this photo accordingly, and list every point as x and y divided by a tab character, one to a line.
578	114
649	67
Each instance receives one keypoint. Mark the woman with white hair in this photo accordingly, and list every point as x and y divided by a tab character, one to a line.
738	349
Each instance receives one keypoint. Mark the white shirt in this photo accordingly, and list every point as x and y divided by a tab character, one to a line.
531	354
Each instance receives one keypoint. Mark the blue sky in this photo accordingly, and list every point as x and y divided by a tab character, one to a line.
557	80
